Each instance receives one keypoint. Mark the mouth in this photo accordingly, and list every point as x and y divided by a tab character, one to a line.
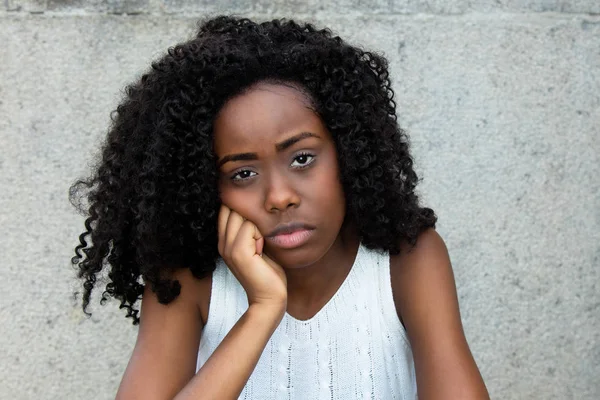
291	235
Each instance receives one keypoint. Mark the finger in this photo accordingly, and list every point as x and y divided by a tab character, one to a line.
260	240
234	223
259	246
269	260
245	242
276	267
222	226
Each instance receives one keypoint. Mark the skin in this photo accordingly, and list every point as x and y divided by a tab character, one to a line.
278	186
426	302
289	172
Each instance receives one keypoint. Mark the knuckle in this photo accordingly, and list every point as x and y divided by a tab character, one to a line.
226	251
236	257
247	225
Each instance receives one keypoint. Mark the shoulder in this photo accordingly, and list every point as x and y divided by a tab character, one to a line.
427	303
199	292
194	296
160	366
420	268
423	282
202	292
430	247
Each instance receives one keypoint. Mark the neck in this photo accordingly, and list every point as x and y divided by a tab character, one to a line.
311	287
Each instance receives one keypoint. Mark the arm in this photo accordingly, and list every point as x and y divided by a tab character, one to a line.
163	364
164	358
227	370
166	350
426	300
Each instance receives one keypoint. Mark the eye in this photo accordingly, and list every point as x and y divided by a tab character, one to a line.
243	175
303	160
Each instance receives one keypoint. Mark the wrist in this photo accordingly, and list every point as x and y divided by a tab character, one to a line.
268	313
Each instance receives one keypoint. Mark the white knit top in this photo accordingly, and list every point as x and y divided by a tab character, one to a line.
354	348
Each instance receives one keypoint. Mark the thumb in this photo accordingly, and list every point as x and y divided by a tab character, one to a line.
270	261
260	242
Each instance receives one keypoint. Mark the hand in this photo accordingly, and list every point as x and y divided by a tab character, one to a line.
241	246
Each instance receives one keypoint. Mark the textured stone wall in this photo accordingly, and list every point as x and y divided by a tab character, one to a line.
502	102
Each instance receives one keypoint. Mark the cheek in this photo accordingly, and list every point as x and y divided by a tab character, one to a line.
237	200
330	193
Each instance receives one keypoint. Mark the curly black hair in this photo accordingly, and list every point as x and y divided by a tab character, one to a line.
152	202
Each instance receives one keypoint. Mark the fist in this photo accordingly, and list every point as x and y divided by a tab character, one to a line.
241	247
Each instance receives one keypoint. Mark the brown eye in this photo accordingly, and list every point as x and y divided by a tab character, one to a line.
303	160
243	175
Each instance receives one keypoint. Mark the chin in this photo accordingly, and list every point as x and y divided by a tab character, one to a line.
289	261
300	257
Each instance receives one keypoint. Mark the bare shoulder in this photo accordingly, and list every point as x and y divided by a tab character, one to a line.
202	292
165	354
429	247
195	293
422	266
427	303
420	270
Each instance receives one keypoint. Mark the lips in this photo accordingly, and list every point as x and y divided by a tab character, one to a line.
286	229
290	235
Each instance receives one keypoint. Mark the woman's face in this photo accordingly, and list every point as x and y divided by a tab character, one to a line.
278	168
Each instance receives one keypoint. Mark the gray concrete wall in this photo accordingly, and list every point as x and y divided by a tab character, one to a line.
502	101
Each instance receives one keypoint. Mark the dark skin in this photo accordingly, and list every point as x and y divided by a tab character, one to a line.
275	184
289	172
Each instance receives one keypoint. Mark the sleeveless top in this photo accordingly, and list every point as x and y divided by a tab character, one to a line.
354	348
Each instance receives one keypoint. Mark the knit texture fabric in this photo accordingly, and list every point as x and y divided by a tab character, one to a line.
354	348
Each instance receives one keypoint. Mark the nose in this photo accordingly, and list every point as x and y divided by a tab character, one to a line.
280	193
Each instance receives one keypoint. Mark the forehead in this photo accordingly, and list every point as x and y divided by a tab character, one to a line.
264	114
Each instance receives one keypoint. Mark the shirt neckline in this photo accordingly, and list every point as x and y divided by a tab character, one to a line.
336	296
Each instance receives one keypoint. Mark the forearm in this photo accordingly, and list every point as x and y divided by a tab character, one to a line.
227	370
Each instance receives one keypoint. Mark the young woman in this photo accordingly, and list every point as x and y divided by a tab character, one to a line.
257	194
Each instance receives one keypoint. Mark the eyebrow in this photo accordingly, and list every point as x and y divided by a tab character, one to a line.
287	143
